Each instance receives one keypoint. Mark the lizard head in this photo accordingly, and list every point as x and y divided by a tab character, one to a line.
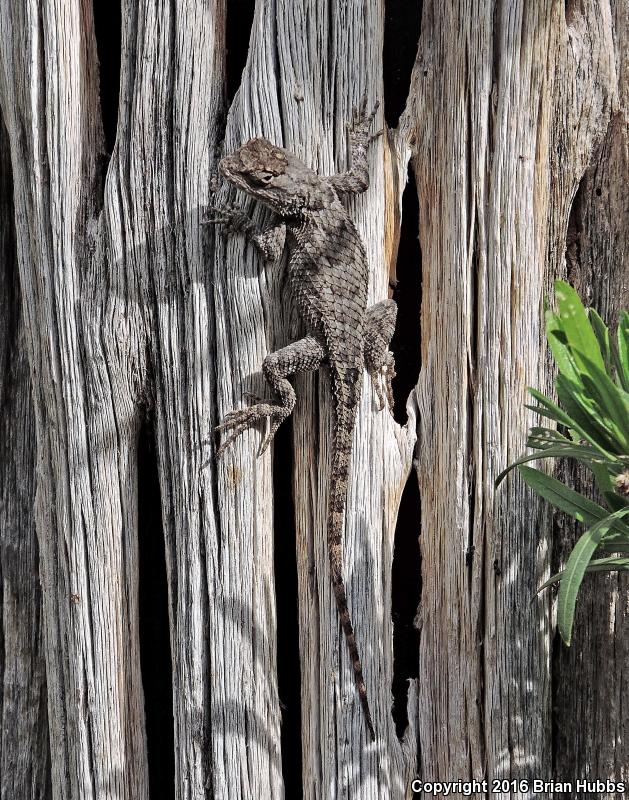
275	177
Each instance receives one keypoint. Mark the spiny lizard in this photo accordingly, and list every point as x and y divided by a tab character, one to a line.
328	277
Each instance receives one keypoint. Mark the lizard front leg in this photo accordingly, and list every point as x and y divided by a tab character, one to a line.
379	360
305	354
268	242
356	179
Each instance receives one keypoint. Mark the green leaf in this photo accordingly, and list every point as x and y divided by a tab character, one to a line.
608	564
559	347
611	399
602	335
576	326
582	424
565	499
571	580
614	500
549	414
548	452
622	356
564	448
575	570
595	426
553	411
547	434
614	545
602	476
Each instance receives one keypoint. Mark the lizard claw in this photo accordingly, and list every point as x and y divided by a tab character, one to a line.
362	121
232	418
382	379
240	420
373	112
231	216
362	108
254	397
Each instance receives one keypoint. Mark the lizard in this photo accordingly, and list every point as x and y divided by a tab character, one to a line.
328	279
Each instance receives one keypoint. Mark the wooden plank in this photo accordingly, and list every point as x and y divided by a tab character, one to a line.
130	305
84	417
496	93
24	753
297	93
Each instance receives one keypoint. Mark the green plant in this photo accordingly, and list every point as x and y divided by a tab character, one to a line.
593	390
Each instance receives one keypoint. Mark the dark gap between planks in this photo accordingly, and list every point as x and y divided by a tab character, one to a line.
401	37
405	597
237	34
155	657
406	342
108	30
286	599
402	25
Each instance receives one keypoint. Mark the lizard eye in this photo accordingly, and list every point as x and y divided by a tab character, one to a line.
264	177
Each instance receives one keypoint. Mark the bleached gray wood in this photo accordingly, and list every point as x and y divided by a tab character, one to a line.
105	283
304	105
131	307
219	553
82	389
24	758
507	107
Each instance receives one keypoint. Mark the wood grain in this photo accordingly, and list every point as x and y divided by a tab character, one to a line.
516	118
24	753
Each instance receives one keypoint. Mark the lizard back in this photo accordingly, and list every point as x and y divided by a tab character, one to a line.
328	277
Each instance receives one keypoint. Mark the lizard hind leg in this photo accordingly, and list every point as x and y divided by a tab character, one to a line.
305	354
379	360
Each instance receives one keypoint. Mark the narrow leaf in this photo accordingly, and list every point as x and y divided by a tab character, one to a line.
591	420
558	345
613	401
584	454
565	499
602	476
602	335
575	570
622	356
574	322
615	501
608	564
556	413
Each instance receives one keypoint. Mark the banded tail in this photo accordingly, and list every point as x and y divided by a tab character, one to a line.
346	386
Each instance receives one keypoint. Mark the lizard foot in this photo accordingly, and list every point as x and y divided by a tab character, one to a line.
233	218
239	421
388	373
382	379
361	123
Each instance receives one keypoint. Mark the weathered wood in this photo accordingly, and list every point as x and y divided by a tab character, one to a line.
496	89
24	757
304	104
130	307
477	110
219	574
80	344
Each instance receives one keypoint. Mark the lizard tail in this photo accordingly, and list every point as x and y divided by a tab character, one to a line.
346	385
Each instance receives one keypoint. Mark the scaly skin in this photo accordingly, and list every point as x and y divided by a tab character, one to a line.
328	277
